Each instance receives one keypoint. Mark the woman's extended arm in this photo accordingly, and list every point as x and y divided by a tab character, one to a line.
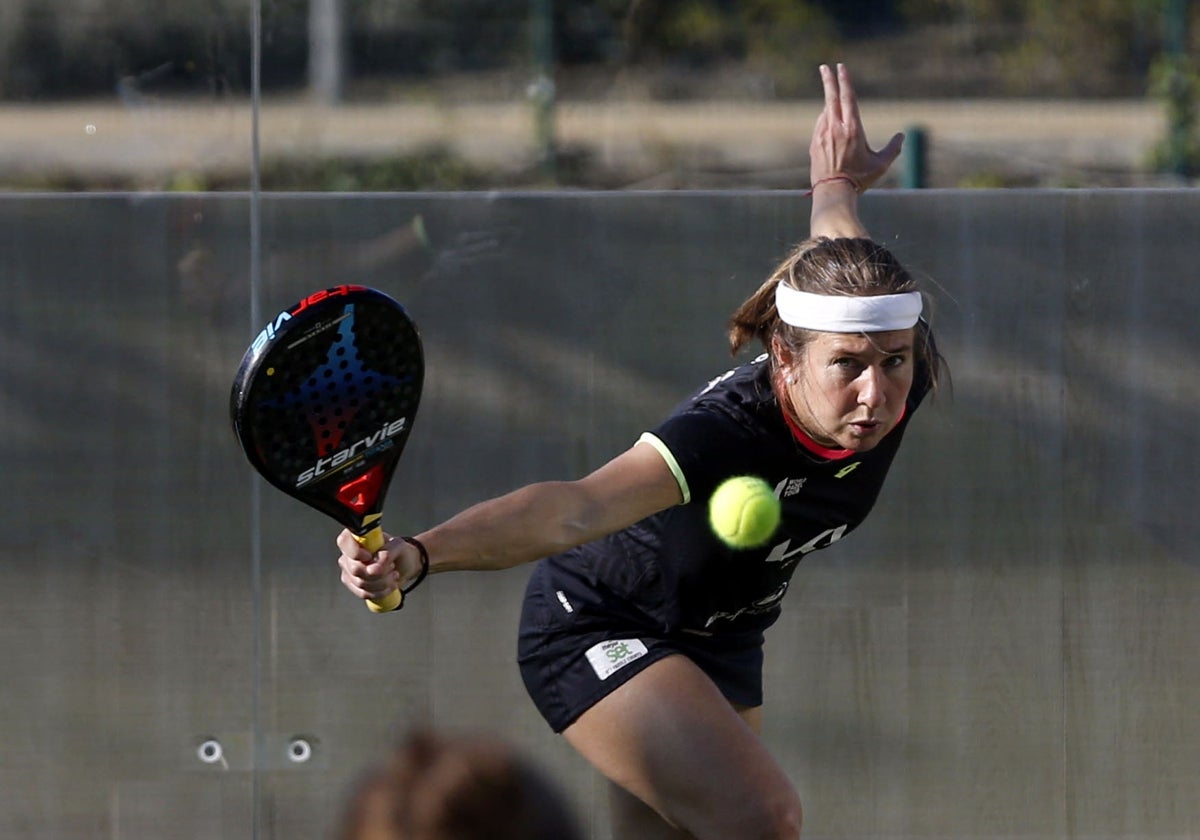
527	524
842	164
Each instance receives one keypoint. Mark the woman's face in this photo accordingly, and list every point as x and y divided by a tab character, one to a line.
848	389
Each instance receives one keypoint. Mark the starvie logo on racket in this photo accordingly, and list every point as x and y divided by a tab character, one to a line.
368	447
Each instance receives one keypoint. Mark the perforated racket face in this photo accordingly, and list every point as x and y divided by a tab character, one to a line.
325	399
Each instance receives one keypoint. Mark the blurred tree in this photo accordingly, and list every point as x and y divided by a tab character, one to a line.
36	60
589	31
77	47
784	40
858	18
84	47
1080	49
477	34
1175	80
327	50
1064	48
770	34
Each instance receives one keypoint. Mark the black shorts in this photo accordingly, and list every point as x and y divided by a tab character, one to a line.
578	645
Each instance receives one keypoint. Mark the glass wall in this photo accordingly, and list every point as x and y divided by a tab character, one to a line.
1004	649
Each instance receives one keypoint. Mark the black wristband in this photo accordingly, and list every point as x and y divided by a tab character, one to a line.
424	564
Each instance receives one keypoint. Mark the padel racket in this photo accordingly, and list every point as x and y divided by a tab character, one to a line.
324	401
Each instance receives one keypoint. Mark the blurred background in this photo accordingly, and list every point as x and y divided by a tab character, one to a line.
571	197
598	94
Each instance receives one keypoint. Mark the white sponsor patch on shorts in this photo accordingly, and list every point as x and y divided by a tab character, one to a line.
609	657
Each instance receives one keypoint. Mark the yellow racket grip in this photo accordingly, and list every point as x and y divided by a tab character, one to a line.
372	541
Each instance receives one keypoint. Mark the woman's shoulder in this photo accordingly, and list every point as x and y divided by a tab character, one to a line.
739	403
746	384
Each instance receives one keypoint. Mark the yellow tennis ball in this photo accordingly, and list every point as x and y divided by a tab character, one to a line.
744	512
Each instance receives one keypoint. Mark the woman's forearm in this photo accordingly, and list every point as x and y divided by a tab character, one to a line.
835	211
519	527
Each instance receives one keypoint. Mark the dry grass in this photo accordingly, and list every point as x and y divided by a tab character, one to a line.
724	144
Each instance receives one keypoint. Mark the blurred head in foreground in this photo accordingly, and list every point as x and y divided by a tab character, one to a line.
439	786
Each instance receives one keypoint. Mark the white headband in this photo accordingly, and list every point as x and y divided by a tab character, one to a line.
845	313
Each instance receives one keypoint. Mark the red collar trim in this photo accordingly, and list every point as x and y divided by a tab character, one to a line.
817	449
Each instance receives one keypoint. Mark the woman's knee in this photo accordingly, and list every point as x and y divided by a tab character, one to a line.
768	812
789	818
763	817
775	818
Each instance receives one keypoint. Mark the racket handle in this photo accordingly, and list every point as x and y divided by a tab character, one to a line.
372	541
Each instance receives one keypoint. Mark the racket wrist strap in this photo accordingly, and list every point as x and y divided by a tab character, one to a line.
420	546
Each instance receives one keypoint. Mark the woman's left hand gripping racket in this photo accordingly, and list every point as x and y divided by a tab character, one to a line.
324	401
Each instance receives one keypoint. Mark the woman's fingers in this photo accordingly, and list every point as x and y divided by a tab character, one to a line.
848	99
839	144
833	100
350	545
365	574
892	150
841	102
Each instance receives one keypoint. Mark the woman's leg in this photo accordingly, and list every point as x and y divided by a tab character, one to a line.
669	738
632	819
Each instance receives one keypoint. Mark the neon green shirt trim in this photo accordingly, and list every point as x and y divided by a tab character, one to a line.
657	443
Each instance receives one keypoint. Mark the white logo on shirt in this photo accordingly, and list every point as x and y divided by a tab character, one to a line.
789	487
760	606
562	599
715	382
784	551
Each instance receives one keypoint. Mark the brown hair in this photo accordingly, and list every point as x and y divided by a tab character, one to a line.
854	267
438	786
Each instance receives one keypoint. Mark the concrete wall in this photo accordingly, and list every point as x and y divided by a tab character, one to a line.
1006	649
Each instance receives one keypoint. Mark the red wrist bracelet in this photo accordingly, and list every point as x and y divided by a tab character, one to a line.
846	178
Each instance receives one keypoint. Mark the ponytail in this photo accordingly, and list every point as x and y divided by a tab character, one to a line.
756	318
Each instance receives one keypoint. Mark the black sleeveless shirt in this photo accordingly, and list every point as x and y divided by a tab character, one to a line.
671	573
